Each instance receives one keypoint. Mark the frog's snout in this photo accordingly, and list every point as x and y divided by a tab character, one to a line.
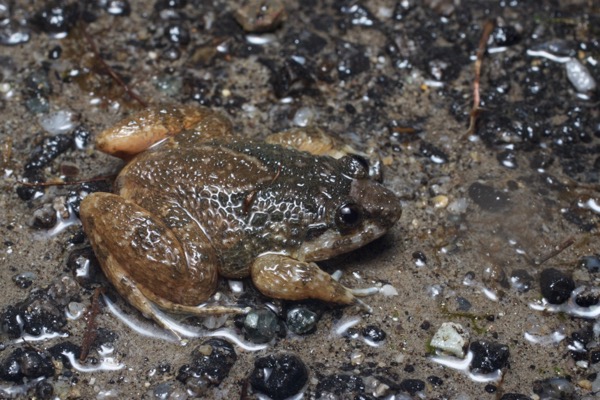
381	205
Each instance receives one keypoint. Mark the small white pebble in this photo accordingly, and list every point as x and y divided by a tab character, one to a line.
388	290
580	76
57	123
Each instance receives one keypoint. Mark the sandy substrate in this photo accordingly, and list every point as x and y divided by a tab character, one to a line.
484	214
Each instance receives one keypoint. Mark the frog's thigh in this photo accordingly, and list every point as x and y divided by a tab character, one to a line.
283	277
136	133
130	242
312	140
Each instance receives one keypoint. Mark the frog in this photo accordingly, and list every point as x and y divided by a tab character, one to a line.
195	202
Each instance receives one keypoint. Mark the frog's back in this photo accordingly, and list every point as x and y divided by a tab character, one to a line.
248	197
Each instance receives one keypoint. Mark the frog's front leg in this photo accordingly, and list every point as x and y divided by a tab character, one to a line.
283	277
148	261
138	132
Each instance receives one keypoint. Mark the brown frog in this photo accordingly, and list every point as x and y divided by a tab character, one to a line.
195	202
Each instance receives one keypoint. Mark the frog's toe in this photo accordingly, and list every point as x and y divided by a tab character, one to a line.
283	277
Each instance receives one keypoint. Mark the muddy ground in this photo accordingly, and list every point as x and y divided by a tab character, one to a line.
494	220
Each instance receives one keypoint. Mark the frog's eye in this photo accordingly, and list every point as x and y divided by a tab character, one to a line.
356	166
348	215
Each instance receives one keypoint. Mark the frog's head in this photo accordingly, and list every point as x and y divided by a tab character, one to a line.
365	212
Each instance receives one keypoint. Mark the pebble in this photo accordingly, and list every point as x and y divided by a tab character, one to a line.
279	376
521	280
177	34
51	147
412	386
211	363
57	351
435	155
373	333
301	320
339	386
81	137
514	396
352	60
591	263
44	390
14	34
169	4
488	356
24	280
57	19
260	15
58	123
451	338
488	198
554	388
588	297
435	380
25	364
44	217
580	76
505	36
261	326
463	304
119	8
556	286
84	266
74	197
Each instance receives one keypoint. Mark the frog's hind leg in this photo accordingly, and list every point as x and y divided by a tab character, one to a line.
145	259
138	132
282	277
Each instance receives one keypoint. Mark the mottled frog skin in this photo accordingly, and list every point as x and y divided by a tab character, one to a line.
194	202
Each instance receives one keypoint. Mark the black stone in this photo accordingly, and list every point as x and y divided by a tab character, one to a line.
211	361
120	8
488	356
521	280
514	396
340	384
57	351
178	34
25	364
589	297
57	17
352	60
44	390
419	256
51	147
591	263
555	388
435	381
488	198
373	333
287	377
28	192
505	36
595	356
556	286
432	152
412	386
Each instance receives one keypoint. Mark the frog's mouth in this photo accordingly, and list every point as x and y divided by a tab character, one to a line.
331	243
367	213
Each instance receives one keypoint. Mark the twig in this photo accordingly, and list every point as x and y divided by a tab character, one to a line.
109	69
556	251
487	30
90	330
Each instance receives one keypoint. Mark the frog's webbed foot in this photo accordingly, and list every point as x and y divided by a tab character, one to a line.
138	132
282	277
